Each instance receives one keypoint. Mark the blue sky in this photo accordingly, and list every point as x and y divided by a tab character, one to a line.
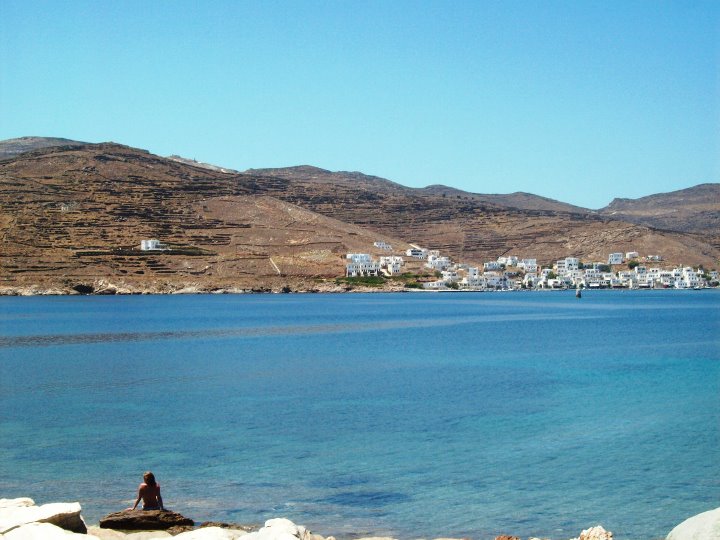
578	101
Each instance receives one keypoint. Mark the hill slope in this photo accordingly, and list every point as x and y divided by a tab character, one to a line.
695	209
524	201
76	214
13	147
477	228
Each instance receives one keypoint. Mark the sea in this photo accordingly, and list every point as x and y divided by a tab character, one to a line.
412	415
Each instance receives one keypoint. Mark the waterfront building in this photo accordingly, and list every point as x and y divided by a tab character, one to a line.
393	264
361	264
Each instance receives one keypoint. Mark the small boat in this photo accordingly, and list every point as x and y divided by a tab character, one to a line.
578	293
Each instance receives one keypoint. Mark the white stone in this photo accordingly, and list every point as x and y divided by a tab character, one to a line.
14	503
595	533
279	529
705	526
106	534
147	535
44	531
212	533
65	515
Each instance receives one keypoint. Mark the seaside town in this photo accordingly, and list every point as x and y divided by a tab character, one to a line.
627	270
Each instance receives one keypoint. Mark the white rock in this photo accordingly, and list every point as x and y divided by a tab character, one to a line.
44	531
705	526
212	533
147	535
279	529
595	533
106	534
64	515
15	503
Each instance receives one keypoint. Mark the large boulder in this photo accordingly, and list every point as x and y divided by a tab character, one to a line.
144	520
14	503
64	515
106	534
282	529
212	533
595	533
705	526
44	531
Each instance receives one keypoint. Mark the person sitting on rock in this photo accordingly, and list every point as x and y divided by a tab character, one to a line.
149	492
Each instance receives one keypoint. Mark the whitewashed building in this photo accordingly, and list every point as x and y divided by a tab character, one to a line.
393	264
417	253
496	280
473	279
616	258
436	262
688	278
508	261
528	265
361	264
383	245
567	266
151	245
491	266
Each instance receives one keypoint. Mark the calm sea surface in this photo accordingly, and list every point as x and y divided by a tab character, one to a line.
414	415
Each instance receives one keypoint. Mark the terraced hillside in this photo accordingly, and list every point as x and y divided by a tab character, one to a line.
78	214
695	209
472	228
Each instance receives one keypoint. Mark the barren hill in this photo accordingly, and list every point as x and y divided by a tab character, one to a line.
13	147
76	214
695	209
524	201
477	228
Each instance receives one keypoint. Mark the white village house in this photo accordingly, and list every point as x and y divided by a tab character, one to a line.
151	245
361	264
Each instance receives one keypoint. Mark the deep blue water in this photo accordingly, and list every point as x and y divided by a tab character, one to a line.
415	415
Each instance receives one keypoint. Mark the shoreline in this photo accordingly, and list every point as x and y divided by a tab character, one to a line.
108	289
23	518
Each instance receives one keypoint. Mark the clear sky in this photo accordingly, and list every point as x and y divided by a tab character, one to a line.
580	101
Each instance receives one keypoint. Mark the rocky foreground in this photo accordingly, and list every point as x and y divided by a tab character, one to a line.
22	519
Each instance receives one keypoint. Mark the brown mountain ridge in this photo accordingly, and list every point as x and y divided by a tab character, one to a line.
76	213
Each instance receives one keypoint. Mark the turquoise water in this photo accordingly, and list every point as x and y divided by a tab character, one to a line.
414	415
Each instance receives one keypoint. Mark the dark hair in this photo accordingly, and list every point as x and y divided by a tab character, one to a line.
149	478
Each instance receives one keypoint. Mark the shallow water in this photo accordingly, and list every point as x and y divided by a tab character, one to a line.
463	414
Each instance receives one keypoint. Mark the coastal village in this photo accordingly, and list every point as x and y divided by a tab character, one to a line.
627	270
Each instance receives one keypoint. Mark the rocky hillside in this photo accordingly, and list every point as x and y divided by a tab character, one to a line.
75	213
477	228
696	209
524	201
13	147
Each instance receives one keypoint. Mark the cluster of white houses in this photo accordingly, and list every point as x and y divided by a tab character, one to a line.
511	272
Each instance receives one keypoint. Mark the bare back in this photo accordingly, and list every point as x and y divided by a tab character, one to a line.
150	495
